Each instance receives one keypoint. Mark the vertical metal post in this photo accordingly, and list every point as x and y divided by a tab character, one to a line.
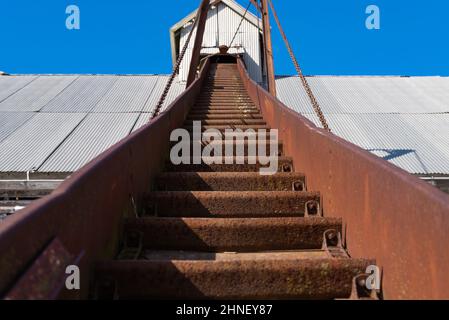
268	47
196	54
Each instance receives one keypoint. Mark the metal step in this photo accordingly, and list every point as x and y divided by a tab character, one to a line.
229	99
217	88
224	116
230	181
239	137
219	106
228	122
229	203
225	109
285	164
232	235
245	148
221	112
224	88
264	277
219	96
224	93
223	97
230	127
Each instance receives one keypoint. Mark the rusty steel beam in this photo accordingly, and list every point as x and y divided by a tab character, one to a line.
196	54
47	273
268	46
390	215
256	4
86	211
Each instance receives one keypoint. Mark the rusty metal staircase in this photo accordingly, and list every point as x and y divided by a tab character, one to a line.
225	231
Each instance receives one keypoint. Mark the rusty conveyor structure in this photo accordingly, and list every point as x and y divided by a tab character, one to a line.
140	227
224	230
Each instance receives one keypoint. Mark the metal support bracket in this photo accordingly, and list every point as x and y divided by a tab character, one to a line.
286	168
313	209
333	244
360	290
299	186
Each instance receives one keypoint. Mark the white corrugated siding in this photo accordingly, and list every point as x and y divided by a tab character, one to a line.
221	25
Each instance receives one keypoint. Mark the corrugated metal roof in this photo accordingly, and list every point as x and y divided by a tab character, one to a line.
75	118
36	94
82	95
128	94
10	121
418	143
10	85
338	95
96	133
144	118
175	90
403	120
31	144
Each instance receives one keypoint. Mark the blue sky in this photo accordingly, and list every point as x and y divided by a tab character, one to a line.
126	37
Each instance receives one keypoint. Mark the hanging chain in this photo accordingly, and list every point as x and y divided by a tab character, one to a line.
240	24
304	81
175	71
